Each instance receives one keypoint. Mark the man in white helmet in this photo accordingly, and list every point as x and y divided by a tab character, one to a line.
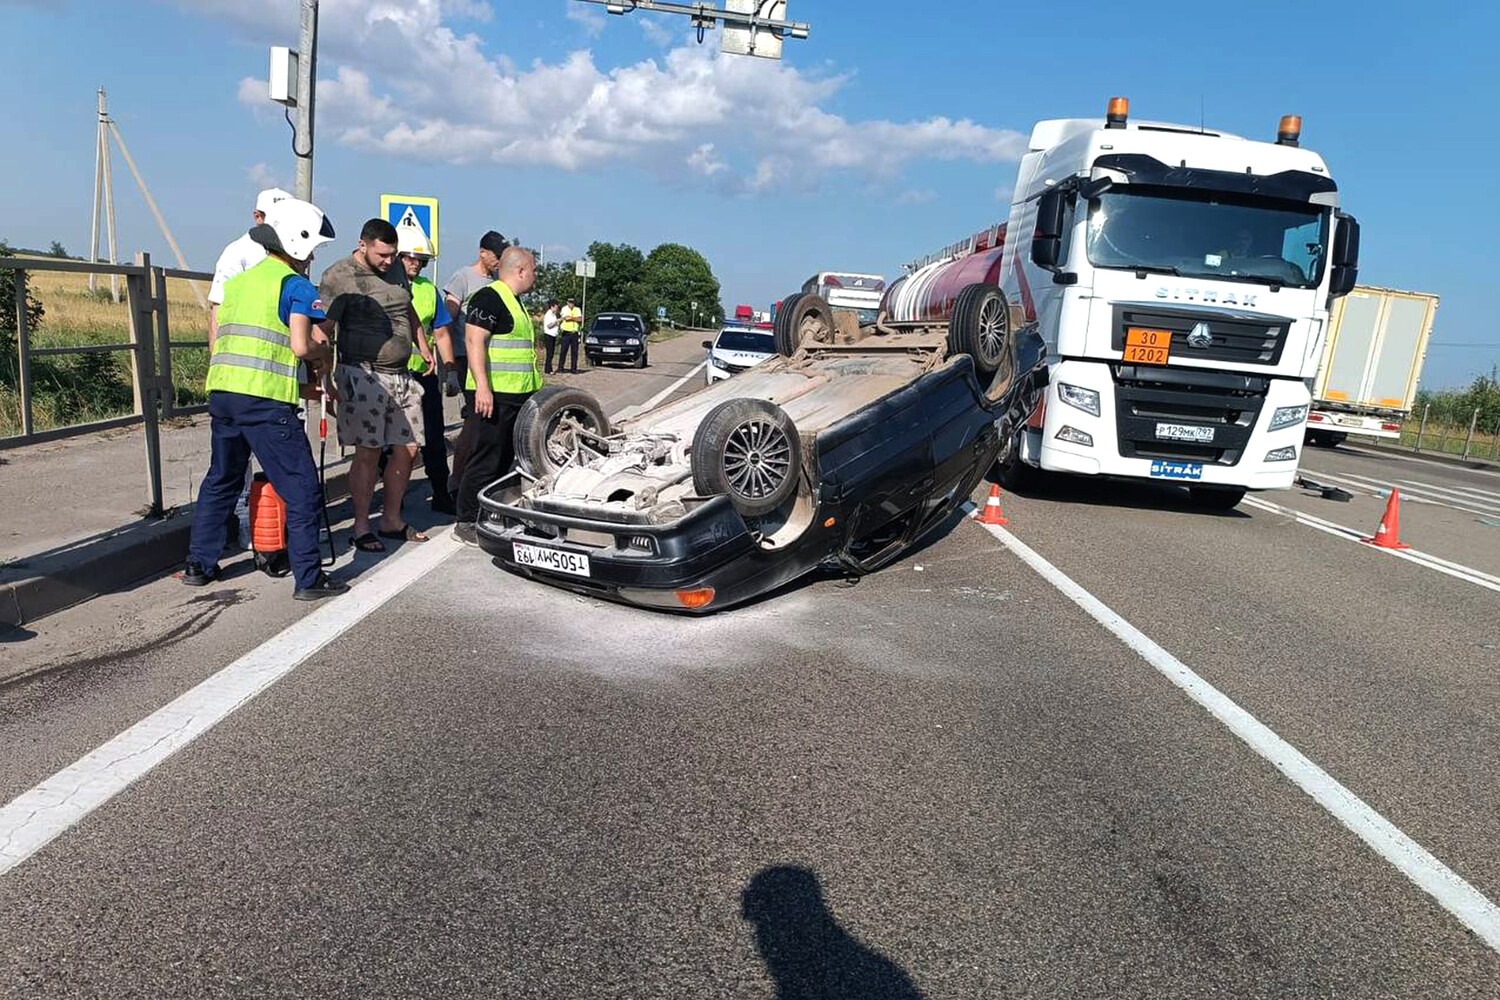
241	255
267	328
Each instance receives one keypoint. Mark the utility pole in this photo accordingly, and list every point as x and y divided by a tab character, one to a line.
307	76
103	180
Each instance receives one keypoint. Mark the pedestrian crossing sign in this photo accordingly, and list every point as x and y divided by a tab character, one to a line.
412	210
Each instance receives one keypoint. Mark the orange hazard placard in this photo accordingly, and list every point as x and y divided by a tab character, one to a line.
1147	347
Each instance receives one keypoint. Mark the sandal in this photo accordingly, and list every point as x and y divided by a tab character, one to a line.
368	543
405	533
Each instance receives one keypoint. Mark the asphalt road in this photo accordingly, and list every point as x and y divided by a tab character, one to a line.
944	781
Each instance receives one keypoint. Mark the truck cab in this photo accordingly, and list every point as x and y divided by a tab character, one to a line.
1180	278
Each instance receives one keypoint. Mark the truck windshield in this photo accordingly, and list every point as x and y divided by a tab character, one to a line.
1207	234
750	341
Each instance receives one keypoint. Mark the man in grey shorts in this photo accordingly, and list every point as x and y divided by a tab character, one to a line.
372	324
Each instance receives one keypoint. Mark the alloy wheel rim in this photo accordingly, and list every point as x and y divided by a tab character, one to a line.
757	459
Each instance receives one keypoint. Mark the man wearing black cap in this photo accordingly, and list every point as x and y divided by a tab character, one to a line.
465	282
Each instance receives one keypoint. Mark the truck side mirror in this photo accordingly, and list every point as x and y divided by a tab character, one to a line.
1345	257
1046	241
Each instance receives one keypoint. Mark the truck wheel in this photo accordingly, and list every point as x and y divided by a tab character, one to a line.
546	428
1211	499
803	318
980	327
748	450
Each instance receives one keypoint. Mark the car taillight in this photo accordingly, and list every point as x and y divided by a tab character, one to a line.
695	599
1038	415
833	282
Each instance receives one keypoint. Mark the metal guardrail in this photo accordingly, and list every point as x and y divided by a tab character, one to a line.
1448	433
150	348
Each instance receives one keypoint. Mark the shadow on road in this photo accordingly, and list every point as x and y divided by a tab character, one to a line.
1110	493
808	955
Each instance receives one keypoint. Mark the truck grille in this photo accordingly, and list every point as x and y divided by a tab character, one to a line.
1239	338
1226	404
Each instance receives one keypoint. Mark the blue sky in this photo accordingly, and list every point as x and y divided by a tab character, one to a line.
890	132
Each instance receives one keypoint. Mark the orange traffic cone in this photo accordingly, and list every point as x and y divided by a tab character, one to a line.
992	513
1388	534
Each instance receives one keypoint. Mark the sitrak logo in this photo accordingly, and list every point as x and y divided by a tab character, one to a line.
1200	337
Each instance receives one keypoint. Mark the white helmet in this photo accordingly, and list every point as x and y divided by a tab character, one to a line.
301	227
411	239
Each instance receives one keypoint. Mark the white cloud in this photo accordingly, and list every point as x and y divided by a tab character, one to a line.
919	196
705	161
656	30
389	84
591	18
261	176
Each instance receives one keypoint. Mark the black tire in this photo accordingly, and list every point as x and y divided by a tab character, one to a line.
1326	439
540	447
803	318
1212	499
1015	474
640	362
748	450
980	327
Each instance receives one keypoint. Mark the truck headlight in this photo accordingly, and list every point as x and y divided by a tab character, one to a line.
1086	400
1287	454
1287	416
1073	435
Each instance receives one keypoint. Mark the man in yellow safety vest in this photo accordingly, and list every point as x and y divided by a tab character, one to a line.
266	329
434	343
503	372
572	323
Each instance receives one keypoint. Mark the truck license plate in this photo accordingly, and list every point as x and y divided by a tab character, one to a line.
1147	347
1177	470
1185	432
553	559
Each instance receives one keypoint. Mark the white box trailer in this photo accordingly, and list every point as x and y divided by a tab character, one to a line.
1372	359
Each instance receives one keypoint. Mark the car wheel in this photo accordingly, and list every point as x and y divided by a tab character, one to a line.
640	362
1210	499
1015	474
546	431
803	318
748	450
980	326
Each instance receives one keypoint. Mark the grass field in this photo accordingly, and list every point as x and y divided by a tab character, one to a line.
1450	439
80	388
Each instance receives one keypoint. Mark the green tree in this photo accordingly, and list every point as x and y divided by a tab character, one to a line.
57	249
8	309
677	276
617	285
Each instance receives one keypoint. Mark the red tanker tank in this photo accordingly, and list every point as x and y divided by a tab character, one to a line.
928	294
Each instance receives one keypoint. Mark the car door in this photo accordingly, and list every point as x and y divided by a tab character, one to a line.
877	465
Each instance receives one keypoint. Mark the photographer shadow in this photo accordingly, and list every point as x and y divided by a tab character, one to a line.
808	955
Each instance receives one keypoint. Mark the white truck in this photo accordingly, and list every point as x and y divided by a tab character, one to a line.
1377	342
1180	278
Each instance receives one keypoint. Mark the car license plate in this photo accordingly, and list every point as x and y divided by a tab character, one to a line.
1185	432
1177	470
613	350
554	559
1147	347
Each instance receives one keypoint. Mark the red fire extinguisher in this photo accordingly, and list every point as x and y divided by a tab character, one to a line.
268	527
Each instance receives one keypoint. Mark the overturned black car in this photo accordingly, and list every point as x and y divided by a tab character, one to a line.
844	452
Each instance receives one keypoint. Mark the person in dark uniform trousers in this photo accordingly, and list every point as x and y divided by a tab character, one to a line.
266	329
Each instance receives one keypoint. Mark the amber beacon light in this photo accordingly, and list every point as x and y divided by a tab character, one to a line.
1119	111
1289	131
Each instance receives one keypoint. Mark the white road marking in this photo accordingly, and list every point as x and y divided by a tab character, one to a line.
1457	570
1455	895
672	388
1416	494
1419	461
33	818
1457	492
